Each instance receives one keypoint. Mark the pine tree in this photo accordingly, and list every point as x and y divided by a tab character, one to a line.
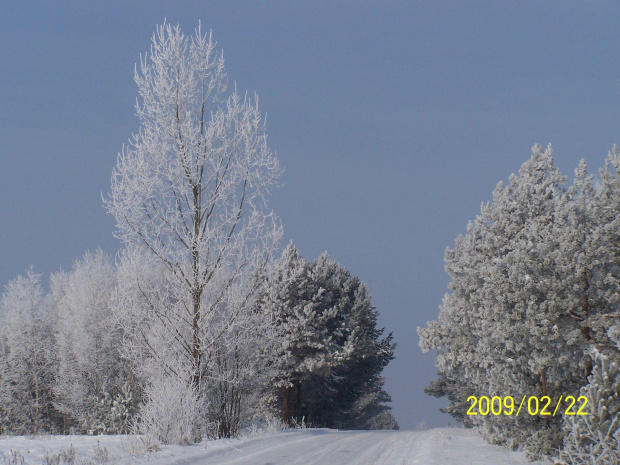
457	331
506	327
329	353
604	244
594	439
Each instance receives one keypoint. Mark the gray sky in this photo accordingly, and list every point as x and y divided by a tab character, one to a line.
393	120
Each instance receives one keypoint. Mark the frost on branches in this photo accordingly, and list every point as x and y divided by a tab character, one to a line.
328	353
189	197
593	439
534	290
26	361
60	370
195	331
93	389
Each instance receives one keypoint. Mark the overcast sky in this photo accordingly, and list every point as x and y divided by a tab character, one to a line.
394	121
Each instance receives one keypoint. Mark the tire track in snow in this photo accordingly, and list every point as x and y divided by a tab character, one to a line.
341	449
441	446
391	448
252	456
239	454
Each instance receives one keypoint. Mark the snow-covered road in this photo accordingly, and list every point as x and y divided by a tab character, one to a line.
440	446
443	446
313	448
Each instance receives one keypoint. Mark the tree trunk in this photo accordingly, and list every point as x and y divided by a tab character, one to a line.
297	401
287	405
586	328
543	377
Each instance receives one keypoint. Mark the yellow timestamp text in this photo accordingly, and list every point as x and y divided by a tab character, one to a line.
543	406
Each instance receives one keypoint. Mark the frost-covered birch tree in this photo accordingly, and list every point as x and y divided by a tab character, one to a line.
93	388
189	194
27	359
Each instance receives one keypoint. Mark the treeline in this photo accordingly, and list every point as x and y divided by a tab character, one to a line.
197	330
313	354
532	310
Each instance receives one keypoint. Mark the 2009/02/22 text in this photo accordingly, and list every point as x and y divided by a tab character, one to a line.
534	405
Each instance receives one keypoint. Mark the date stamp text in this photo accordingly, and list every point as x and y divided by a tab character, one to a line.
531	405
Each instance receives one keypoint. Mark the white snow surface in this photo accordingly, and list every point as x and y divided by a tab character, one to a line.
440	446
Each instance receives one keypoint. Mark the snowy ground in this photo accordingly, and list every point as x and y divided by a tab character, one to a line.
441	446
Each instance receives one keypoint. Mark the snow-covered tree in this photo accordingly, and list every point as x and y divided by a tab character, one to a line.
458	330
511	324
173	411
26	358
604	247
189	197
594	438
531	342
575	267
93	387
329	353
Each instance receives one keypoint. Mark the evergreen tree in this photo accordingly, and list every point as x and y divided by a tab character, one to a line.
329	353
604	244
593	439
458	330
508	327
